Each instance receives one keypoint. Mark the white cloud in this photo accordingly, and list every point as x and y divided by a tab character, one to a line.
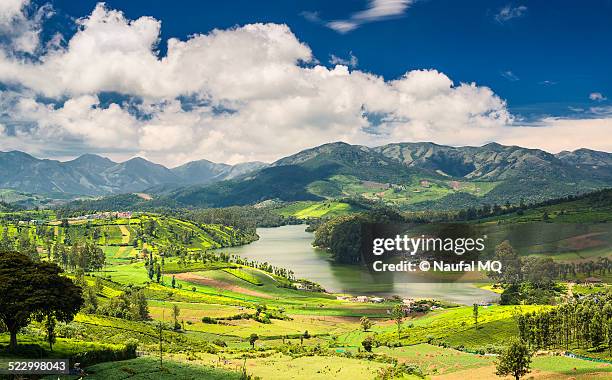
377	10
597	96
510	76
351	61
230	95
311	16
509	12
19	28
556	134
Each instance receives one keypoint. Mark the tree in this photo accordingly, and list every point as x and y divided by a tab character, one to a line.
49	324
139	306
515	360
511	264
475	314
91	300
175	314
34	291
173	282
366	324
398	315
367	343
252	339
158	273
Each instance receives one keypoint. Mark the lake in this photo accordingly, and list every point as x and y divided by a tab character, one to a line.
290	247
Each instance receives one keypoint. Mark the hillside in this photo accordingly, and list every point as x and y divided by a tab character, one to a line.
593	207
222	304
412	176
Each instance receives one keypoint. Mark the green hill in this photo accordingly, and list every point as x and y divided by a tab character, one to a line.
412	176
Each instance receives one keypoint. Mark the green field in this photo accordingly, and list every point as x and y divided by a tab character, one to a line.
300	334
397	194
325	209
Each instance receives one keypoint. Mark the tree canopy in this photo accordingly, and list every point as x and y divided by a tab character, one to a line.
515	360
33	291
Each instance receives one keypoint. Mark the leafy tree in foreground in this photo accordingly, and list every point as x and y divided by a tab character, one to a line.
34	291
515	360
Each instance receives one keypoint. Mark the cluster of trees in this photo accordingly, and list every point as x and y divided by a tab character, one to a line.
21	241
585	323
532	279
342	236
87	257
131	304
244	218
113	203
265	266
154	267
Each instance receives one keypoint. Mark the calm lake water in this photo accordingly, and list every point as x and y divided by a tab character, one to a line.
291	247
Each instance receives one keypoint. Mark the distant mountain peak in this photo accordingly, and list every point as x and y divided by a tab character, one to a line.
90	157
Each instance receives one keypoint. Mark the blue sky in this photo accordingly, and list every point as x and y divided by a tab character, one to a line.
236	81
544	60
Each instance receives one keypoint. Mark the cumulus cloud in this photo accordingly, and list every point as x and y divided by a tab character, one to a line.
253	92
376	11
20	27
510	12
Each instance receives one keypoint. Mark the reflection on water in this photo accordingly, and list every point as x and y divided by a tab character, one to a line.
290	247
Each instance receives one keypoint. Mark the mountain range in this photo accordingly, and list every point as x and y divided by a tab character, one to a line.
91	174
410	175
422	175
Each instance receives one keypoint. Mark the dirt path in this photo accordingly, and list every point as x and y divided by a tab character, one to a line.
199	279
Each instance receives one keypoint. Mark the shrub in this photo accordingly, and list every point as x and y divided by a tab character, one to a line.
220	343
209	320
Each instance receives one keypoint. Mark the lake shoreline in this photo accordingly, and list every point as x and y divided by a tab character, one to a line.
291	247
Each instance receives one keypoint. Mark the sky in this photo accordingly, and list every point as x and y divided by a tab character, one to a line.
238	81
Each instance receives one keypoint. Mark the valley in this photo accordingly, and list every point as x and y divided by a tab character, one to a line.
231	301
254	271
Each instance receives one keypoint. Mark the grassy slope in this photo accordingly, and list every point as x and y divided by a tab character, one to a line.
147	367
399	194
311	209
314	312
592	208
454	326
